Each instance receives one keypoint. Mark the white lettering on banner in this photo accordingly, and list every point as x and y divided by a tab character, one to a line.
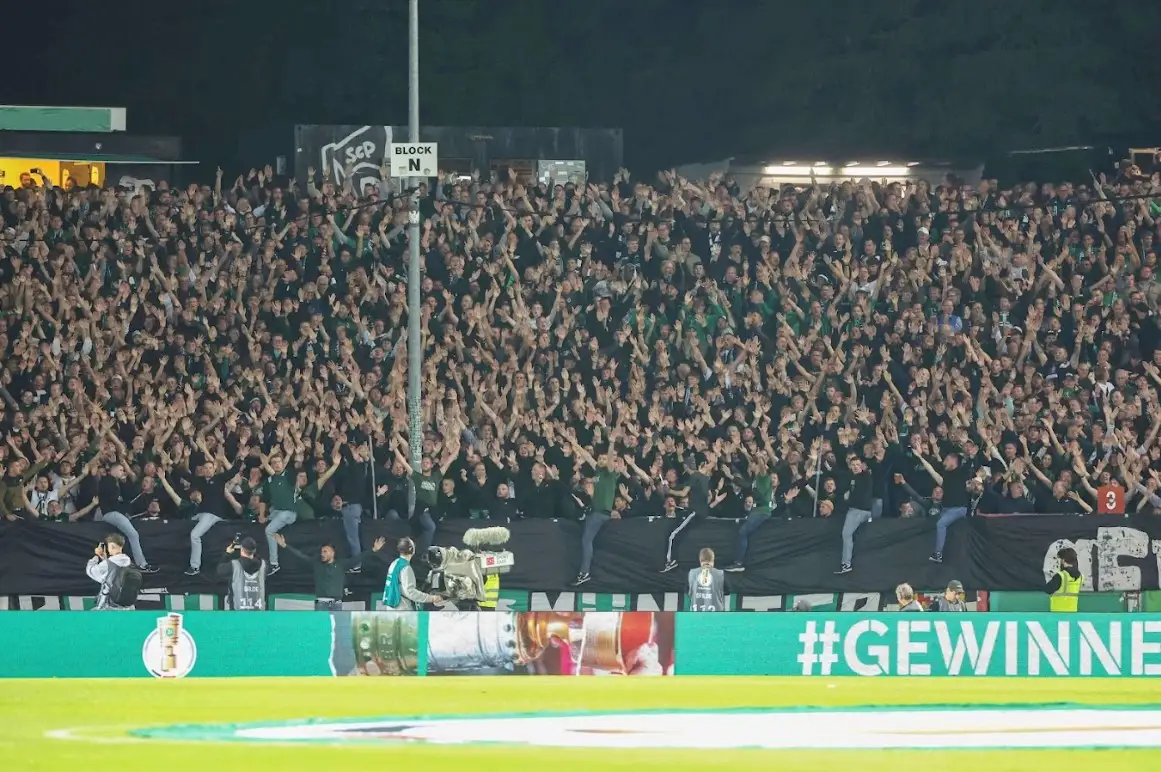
1011	648
761	602
860	601
1112	543
1139	647
565	601
810	640
880	653
1083	549
979	655
670	601
1092	644
907	647
1040	644
817	601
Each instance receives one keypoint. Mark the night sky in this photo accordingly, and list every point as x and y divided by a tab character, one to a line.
687	81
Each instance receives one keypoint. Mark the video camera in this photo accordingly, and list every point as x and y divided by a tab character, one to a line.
459	574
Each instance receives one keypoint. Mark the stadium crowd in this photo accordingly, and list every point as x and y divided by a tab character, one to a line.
629	348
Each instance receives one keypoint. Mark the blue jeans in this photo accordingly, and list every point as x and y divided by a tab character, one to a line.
421	519
947	516
593	525
854	519
676	534
279	519
752	523
876	508
204	521
125	526
352	517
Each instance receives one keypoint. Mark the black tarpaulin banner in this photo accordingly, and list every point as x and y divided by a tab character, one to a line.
785	556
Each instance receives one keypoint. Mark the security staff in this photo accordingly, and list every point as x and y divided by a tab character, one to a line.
1064	586
707	585
952	598
491	593
246	573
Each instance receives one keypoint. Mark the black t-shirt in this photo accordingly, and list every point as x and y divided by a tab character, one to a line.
214	495
955	481
699	492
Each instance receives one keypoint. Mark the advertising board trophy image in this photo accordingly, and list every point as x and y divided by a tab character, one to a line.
548	643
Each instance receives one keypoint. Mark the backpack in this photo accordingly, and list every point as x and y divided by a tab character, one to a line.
124	584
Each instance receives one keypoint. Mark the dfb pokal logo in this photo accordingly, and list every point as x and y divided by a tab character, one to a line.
169	651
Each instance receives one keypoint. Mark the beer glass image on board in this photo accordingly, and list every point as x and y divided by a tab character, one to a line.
550	643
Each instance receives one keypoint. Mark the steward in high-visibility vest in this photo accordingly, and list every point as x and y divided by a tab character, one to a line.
491	592
1064	587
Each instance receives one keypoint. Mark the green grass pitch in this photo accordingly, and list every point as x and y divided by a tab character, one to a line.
99	714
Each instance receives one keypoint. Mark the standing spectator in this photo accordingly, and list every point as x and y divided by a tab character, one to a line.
699	500
954	482
330	580
281	500
211	490
858	502
604	492
353	488
111	494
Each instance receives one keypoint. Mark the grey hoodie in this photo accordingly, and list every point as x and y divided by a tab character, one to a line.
98	571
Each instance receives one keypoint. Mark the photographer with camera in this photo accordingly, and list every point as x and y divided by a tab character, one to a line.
111	567
330	575
400	592
246	573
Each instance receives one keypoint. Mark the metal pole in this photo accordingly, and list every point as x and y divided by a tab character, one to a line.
414	350
817	481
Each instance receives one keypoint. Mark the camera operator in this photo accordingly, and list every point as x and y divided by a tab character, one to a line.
330	575
246	573
400	592
113	569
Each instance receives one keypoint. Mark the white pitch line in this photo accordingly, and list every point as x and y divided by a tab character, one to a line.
72	734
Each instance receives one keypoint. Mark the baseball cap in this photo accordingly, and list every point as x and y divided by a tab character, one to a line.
955	585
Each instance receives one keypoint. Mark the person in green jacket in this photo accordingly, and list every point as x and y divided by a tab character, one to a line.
330	574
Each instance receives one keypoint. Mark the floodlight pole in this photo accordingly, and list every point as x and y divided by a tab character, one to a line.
414	344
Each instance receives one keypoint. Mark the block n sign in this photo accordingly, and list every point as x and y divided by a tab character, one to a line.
414	159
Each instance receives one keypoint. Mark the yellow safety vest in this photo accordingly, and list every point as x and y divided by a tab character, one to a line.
1066	599
491	591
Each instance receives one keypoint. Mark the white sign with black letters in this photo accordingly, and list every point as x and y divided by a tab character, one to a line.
414	159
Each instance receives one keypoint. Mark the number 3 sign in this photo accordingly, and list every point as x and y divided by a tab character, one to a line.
1110	500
